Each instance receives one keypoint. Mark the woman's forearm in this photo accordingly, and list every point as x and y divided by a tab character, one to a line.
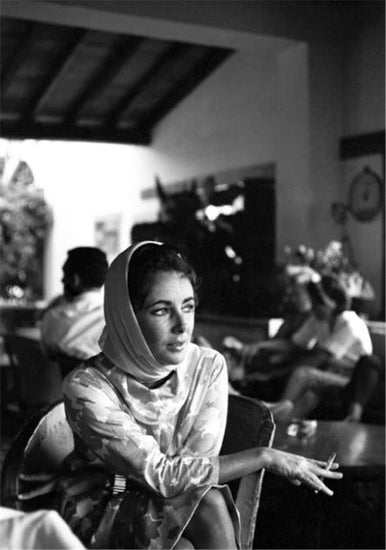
239	464
296	469
278	345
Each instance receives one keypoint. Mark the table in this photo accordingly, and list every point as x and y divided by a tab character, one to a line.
296	517
359	448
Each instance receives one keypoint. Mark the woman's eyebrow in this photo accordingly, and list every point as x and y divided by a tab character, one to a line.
169	302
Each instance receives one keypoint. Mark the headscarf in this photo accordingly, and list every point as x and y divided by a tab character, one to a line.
122	340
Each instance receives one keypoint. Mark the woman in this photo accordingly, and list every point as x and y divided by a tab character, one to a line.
152	407
338	358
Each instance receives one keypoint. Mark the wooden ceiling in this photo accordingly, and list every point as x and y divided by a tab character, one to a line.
71	83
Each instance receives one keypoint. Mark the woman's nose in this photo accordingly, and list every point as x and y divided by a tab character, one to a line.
179	322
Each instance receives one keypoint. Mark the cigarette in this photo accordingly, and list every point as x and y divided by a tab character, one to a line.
330	462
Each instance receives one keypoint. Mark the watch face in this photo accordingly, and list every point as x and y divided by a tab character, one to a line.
365	195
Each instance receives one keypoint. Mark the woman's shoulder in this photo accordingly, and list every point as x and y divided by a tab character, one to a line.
206	359
88	375
206	353
350	320
350	317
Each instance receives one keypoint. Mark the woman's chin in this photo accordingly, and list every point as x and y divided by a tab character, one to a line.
172	357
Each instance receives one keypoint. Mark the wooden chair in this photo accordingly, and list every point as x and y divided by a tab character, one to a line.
37	380
38	452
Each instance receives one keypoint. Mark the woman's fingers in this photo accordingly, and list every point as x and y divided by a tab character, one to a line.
303	471
323	464
330	474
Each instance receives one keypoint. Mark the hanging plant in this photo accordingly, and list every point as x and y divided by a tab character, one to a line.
24	223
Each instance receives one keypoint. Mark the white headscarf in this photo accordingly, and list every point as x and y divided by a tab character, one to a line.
122	340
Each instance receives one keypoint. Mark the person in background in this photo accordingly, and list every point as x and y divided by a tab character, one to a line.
273	357
152	408
72	324
337	357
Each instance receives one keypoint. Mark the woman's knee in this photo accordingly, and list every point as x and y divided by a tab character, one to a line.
211	525
212	505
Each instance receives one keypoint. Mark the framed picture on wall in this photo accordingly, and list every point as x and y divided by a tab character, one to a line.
107	231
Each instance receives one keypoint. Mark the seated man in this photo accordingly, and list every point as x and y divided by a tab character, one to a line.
73	322
338	357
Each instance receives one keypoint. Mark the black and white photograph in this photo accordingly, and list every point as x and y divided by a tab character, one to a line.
192	274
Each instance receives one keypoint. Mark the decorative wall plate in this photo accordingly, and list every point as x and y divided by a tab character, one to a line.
365	195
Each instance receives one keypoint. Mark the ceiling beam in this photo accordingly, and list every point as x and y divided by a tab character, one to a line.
62	69
62	58
17	130
199	71
361	145
122	50
173	51
98	16
15	59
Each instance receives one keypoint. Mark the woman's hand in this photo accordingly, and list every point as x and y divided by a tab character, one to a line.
300	470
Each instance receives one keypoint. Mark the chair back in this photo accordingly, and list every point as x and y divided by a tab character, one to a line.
35	457
249	424
38	380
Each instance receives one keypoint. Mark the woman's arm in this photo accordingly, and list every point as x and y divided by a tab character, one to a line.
297	469
275	345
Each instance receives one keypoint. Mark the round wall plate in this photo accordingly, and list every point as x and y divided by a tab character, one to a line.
365	195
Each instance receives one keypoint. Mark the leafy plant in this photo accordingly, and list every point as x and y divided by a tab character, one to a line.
24	222
306	263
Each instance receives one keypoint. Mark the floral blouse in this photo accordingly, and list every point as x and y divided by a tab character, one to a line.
166	439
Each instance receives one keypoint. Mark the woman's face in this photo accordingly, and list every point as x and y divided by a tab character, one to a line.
166	318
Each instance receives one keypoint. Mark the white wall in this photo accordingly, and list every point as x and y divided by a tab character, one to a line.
229	121
364	111
364	71
81	182
292	153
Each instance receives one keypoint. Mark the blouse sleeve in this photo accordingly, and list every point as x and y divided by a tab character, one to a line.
96	415
207	434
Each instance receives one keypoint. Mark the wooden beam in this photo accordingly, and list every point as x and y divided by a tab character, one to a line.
362	145
122	50
61	59
200	70
61	69
16	58
175	49
17	130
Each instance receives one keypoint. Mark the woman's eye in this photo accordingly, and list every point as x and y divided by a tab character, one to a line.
189	307
160	311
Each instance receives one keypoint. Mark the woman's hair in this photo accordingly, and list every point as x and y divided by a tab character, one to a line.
330	289
150	259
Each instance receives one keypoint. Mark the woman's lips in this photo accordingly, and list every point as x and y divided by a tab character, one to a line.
176	346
